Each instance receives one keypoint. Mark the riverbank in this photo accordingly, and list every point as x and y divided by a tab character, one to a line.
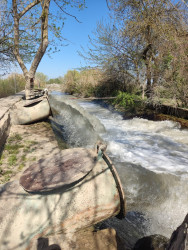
27	144
142	110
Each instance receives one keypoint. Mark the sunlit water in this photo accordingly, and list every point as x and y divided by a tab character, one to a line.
152	161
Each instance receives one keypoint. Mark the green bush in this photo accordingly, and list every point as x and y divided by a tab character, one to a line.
126	100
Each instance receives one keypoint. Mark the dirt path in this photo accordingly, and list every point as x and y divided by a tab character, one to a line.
25	145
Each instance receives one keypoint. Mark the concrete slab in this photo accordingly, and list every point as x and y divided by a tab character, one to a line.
6	104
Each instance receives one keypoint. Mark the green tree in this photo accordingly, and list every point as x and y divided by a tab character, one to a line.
149	24
14	83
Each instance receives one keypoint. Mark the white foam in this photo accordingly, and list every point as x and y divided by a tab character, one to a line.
159	146
152	160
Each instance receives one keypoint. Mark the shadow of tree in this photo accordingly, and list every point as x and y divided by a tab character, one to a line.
80	204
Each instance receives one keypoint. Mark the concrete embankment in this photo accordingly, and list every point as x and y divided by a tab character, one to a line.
169	110
6	104
29	144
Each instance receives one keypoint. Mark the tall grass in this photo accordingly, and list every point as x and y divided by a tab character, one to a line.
82	83
96	82
11	85
90	82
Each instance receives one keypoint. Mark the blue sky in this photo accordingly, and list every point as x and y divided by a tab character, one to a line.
77	35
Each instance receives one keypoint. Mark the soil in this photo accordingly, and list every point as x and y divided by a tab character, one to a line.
25	145
105	239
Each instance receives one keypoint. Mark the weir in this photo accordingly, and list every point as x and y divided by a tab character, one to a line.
151	159
67	191
78	127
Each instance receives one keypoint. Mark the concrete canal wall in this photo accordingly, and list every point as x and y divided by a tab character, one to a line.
6	104
169	110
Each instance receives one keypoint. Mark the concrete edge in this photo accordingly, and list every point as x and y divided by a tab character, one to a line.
6	104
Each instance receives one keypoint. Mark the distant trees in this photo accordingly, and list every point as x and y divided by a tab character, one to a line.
14	83
41	79
144	46
58	80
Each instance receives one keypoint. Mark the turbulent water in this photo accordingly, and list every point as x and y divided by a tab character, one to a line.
151	158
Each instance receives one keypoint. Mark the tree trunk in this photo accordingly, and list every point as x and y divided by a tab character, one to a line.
29	88
143	91
29	75
148	77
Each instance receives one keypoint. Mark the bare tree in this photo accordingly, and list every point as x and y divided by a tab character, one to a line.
6	53
138	39
29	18
26	48
148	25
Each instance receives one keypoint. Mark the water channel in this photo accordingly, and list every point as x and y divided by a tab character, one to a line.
151	158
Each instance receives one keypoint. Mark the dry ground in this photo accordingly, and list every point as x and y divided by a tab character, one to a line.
25	145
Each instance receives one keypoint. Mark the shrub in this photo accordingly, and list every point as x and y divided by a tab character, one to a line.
126	100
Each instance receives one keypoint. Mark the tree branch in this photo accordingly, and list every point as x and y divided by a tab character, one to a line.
30	6
44	38
185	3
66	12
16	38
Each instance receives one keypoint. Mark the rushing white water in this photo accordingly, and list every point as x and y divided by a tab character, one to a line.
158	146
152	161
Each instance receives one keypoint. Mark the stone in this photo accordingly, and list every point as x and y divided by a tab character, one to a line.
25	217
66	167
30	102
179	238
152	242
34	112
105	239
43	244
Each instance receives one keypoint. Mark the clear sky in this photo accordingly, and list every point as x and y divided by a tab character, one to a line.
77	35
